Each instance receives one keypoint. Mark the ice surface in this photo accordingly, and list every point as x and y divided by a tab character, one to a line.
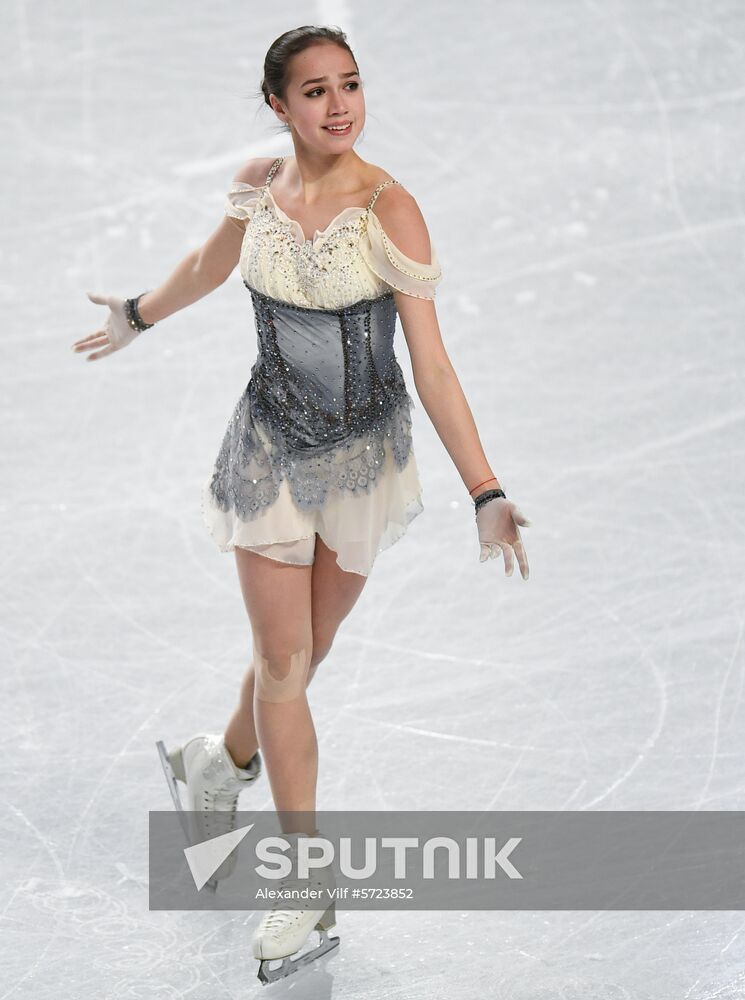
580	167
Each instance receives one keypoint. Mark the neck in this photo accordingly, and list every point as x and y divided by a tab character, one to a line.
317	174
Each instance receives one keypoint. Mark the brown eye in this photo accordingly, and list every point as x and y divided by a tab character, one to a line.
317	90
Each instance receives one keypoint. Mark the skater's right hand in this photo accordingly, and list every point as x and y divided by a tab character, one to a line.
115	333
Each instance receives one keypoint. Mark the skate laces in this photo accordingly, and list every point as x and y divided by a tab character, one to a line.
281	916
278	920
221	808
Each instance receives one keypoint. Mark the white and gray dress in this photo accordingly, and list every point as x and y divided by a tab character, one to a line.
320	439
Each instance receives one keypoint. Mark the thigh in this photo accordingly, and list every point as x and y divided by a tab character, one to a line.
277	596
334	593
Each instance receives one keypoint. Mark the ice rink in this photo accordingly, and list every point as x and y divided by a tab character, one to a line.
580	168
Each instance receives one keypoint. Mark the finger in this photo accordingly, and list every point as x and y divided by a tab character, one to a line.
92	346
101	354
509	562
520	518
101	300
522	559
484	555
93	340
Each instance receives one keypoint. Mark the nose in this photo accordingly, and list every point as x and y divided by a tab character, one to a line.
337	104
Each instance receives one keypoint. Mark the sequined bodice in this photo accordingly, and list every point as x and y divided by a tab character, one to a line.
327	391
326	272
323	374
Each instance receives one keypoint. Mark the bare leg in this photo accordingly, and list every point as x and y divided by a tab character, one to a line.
241	738
294	611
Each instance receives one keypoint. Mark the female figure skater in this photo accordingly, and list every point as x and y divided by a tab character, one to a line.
316	474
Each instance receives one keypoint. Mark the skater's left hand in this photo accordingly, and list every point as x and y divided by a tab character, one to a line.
497	523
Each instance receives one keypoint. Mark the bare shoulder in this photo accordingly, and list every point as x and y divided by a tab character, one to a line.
254	171
401	218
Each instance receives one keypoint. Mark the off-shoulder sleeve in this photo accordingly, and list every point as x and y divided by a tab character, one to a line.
397	270
241	200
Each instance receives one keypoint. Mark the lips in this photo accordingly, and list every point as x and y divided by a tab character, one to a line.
338	131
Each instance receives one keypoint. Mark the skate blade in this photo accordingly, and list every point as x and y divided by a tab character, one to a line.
289	965
181	812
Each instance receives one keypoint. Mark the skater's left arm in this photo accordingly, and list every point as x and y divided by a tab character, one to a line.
436	381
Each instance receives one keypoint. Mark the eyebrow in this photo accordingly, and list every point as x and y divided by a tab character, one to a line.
320	79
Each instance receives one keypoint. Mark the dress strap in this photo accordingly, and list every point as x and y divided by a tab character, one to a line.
377	191
273	170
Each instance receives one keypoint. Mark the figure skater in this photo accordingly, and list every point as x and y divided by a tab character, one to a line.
316	474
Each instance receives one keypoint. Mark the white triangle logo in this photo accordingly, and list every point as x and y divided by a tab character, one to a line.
205	858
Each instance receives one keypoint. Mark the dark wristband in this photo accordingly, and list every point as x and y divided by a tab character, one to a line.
485	497
133	314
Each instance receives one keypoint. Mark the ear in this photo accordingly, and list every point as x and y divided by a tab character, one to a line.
277	106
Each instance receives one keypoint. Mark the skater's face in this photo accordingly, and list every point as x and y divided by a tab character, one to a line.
322	88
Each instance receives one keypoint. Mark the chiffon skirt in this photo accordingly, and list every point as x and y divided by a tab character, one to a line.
357	526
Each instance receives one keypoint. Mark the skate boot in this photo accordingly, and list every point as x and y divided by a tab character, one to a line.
213	783
284	930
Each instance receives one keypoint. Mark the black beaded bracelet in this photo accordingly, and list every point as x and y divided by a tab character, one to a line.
133	314
485	497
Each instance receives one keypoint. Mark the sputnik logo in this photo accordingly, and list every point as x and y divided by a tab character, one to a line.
206	857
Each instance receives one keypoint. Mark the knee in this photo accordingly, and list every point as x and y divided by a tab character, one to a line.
281	670
321	649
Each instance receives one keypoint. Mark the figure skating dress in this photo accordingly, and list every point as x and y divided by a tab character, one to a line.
320	439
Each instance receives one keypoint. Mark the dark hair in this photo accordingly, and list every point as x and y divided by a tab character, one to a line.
285	47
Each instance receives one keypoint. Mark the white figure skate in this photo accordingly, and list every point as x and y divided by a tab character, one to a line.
213	783
283	931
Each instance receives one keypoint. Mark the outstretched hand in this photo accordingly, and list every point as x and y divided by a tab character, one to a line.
497	524
115	333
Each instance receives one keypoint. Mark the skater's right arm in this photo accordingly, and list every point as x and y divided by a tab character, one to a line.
200	272
208	267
